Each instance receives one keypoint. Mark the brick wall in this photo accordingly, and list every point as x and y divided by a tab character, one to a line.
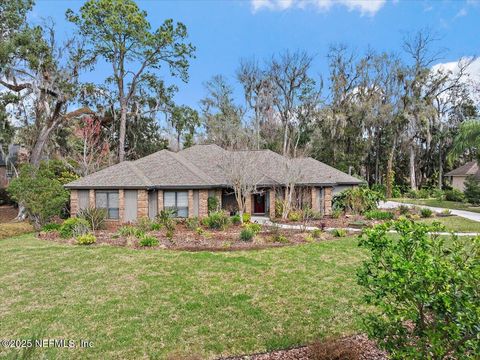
315	200
121	205
160	200
328	200
142	204
203	203
73	202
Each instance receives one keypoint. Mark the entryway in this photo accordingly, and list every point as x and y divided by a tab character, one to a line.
259	205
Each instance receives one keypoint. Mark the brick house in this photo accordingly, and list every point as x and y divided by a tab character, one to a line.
185	180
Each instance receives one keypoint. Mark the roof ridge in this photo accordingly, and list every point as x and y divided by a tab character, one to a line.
191	167
139	173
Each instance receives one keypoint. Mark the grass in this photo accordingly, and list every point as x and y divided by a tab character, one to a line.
455	223
149	303
14	229
441	204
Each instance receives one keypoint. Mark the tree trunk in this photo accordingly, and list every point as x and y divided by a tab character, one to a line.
123	130
413	181
389	175
37	150
440	169
285	140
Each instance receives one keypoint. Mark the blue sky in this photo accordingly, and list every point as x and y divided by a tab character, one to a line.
226	31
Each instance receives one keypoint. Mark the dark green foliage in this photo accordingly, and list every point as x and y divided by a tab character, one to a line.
404	209
216	220
379	215
40	191
212	204
51	227
247	234
95	217
472	190
147	240
425	289
426	212
192	223
357	200
454	195
165	219
130	230
236	219
256	228
339	232
72	225
86	239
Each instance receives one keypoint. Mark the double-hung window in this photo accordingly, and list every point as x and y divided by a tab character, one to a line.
177	201
108	200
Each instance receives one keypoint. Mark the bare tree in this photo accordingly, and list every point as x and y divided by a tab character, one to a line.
243	175
292	173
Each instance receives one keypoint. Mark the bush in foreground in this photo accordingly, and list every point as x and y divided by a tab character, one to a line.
472	190
148	241
86	239
426	212
247	234
74	227
425	290
357	200
379	215
216	220
96	217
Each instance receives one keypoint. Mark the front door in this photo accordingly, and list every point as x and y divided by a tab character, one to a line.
259	203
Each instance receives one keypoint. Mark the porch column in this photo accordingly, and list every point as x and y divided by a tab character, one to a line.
121	205
248	204
191	212
91	199
315	200
271	195
73	203
142	204
202	203
160	200
328	200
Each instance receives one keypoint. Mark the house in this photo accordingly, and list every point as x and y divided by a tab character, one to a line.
185	180
460	174
8	161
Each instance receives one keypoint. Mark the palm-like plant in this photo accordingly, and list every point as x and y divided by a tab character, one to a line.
468	138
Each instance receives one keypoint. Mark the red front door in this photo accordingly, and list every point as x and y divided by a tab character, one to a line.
259	204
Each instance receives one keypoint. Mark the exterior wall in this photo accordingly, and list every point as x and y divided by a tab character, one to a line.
339	188
160	200
458	182
121	204
142	204
92	198
328	196
73	203
315	199
203	203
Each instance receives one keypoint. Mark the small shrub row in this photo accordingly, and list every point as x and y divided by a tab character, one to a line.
379	215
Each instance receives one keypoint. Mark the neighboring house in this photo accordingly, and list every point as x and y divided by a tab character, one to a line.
459	175
185	180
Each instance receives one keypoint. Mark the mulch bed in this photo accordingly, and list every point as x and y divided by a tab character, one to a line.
186	239
345	221
7	213
356	347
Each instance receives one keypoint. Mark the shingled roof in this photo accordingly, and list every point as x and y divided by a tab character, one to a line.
470	168
202	166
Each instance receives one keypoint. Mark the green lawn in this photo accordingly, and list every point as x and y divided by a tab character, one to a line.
455	223
147	304
440	203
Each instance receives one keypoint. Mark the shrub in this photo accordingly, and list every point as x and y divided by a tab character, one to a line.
246	217
212	204
80	229
437	194
423	194
192	223
404	209
51	227
86	239
95	217
144	224
294	215
317	233
147	240
235	219
66	230
454	195
165	219
40	191
216	220
309	238
357	200
413	216
278	208
472	190
378	215
155	226
130	230
425	290
247	234
256	228
446	212
426	212
339	232
336	213
169	233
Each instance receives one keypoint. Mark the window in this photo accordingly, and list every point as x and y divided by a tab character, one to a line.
108	200
176	200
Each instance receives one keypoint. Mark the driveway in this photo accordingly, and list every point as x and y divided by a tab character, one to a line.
465	214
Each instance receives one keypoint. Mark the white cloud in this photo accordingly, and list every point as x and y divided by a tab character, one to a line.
365	7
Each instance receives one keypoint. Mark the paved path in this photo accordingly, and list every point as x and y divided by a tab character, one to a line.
465	214
267	222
